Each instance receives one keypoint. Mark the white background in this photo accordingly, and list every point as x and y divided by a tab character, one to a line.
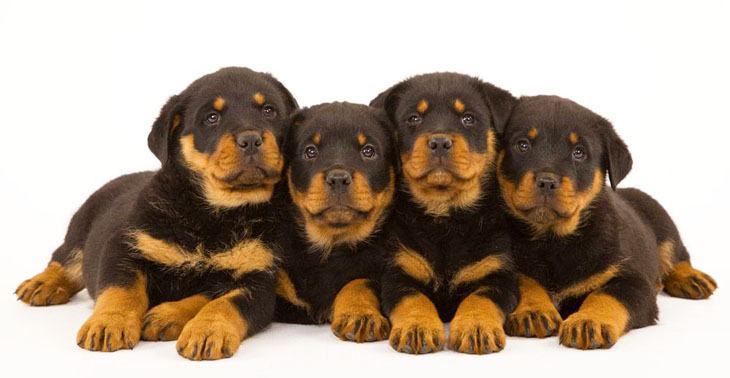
81	83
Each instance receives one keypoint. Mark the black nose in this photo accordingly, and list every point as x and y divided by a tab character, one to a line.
338	179
440	145
547	182
249	142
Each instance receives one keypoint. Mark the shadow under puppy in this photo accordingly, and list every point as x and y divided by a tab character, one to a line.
451	247
192	240
593	255
341	181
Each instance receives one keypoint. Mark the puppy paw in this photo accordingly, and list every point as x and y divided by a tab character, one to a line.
109	332
539	323
582	332
39	293
208	339
417	336
164	322
476	337
361	327
684	281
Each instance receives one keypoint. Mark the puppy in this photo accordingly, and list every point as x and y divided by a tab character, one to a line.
592	255
185	252
451	248
341	182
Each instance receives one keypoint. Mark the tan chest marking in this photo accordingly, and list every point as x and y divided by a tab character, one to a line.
478	270
415	265
285	289
587	285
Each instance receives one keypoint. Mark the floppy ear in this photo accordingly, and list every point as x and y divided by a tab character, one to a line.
295	120
388	101
617	158
170	117
289	100
500	104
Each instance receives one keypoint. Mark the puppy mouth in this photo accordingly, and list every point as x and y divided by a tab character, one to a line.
246	178
340	216
543	211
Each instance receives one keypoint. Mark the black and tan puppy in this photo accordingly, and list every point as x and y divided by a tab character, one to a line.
451	248
592	255
341	182
183	253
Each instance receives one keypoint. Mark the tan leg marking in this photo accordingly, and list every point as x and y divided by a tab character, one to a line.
285	289
535	315
165	321
117	319
55	285
599	322
477	327
356	314
216	332
416	326
684	281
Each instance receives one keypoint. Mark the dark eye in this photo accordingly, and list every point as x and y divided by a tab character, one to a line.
468	119
368	151
310	152
269	111
579	153
212	118
523	145
414	120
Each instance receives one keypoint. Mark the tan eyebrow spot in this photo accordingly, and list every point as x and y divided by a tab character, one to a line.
361	138
219	103
459	106
316	138
573	138
259	98
532	133
422	106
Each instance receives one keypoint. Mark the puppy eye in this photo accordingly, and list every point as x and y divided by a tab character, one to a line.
368	151
212	118
468	119
523	145
310	152
414	119
269	111
579	153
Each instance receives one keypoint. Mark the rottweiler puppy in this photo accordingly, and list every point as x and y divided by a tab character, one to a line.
184	252
592	255
451	259
341	182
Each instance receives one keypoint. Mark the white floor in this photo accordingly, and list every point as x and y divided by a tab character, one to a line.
690	339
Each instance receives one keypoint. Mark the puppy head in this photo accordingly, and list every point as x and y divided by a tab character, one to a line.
553	164
341	175
226	128
446	126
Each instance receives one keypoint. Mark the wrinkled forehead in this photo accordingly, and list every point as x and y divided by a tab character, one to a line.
338	127
235	90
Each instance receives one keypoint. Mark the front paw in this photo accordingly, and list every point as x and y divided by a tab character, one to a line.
582	332
361	327
474	337
109	332
539	323
417	336
208	339
163	323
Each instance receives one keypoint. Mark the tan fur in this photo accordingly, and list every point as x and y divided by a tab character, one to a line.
457	187
535	314
259	98
245	257
285	289
361	197
361	139
478	270
599	322
573	138
219	103
684	281
532	134
589	284
422	106
55	285
356	313
415	323
666	256
216	331
414	265
116	322
477	326
459	106
317	138
165	321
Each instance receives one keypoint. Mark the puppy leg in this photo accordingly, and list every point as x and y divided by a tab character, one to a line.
416	326
117	319
535	315
59	282
165	321
477	326
356	313
683	281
